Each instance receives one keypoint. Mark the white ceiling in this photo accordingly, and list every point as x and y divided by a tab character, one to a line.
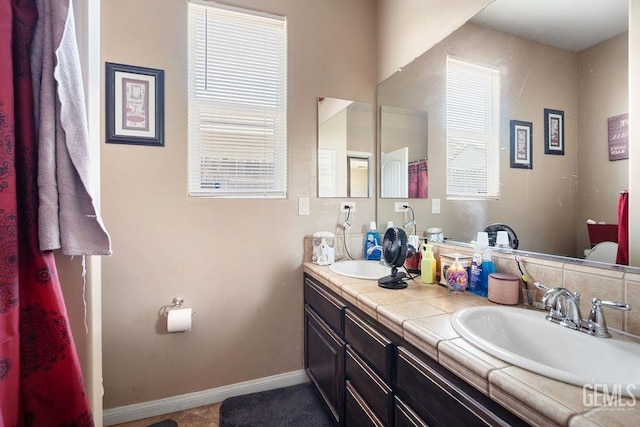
568	24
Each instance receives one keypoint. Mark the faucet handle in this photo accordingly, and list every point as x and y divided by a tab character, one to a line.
597	322
541	286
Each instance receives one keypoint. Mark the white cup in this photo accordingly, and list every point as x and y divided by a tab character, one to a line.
483	239
502	239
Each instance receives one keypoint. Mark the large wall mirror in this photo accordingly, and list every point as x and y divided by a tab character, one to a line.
547	205
345	148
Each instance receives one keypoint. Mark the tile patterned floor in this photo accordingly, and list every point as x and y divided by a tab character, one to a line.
204	416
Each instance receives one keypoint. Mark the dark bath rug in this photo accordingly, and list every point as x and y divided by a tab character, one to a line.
294	406
164	423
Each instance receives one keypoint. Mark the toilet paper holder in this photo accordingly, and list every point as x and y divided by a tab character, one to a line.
177	302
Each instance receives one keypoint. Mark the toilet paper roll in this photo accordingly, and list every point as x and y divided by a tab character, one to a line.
179	320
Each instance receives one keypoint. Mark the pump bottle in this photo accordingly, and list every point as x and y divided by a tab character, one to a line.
428	264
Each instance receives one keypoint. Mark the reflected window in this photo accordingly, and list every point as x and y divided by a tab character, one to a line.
358	177
472	120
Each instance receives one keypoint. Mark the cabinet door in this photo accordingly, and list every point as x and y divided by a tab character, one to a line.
358	412
324	363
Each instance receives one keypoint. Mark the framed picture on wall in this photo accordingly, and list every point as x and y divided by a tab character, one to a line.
521	146
618	128
134	105
553	132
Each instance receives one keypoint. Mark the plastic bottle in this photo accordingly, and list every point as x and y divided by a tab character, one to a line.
371	240
488	267
428	264
475	275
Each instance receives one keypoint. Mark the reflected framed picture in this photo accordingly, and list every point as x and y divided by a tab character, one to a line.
134	105
553	132
521	144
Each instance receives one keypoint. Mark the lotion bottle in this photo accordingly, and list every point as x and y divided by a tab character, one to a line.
428	264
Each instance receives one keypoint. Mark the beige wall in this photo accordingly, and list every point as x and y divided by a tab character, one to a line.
603	92
407	28
236	262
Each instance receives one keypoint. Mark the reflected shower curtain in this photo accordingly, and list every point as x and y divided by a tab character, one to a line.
40	379
622	256
418	180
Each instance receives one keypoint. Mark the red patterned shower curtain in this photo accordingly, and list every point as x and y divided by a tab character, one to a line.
418	179
40	379
622	257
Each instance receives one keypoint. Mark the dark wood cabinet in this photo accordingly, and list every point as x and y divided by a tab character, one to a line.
324	363
369	342
369	376
442	399
370	386
358	411
404	415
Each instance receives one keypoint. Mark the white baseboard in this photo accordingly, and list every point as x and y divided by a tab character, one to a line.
154	408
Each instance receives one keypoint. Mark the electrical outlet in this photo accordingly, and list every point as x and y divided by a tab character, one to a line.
303	206
435	206
351	205
400	206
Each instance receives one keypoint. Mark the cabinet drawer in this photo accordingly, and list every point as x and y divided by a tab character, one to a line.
404	416
375	347
442	399
358	412
370	386
328	307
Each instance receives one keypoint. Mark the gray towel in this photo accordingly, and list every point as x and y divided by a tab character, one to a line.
68	217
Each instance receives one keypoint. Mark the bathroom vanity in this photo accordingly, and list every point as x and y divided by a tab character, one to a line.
383	357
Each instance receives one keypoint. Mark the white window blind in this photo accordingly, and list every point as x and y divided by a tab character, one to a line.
237	103
472	120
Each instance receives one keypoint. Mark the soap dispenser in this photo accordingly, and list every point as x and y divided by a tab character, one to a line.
428	264
456	277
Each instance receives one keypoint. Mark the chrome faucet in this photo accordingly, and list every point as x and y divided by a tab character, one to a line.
564	309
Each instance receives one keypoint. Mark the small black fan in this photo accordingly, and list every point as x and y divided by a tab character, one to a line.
395	251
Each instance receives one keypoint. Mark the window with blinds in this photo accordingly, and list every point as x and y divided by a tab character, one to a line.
472	121
237	103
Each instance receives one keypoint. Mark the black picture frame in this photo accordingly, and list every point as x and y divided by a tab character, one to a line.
521	144
134	105
553	132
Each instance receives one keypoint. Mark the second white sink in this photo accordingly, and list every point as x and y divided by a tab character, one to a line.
361	269
526	339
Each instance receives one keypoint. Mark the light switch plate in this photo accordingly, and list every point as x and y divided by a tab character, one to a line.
435	206
303	206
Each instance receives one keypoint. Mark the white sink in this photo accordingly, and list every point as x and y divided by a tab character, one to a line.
361	269
526	339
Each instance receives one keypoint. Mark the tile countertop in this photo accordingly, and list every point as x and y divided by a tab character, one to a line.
421	315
